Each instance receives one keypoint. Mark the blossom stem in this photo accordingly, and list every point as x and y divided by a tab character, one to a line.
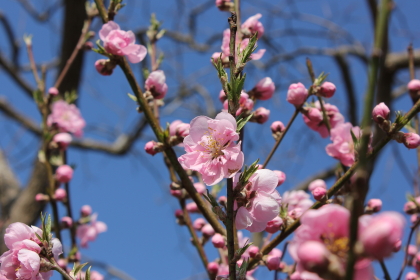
410	236
33	66
385	270
339	183
195	239
82	40
230	219
273	150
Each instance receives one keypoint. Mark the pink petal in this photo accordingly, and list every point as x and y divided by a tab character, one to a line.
243	219
107	28
228	117
137	53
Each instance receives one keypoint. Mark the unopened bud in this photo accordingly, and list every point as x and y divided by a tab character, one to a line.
380	113
86	210
66	222
218	241
60	194
327	90
207	230
53	91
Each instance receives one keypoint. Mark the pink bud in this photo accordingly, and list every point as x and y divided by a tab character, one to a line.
200	187
397	246
297	94
199	223
281	175
416	262
319	193
412	250
264	89
62	263
182	130
414	85
222	199
253	251
414	218
63	139
318	183
313	256
60	194
411	140
66	222
411	276
380	113
86	210
327	89
179	213
88	46
218	241
275	252
374	205
64	173
222	96
259	166
41	197
273	262
104	67
213	267
274	225
150	148
192	207
261	115
207	230
410	207
277	126
155	83
176	193
53	91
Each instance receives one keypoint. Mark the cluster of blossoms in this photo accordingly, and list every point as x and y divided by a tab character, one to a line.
28	256
66	118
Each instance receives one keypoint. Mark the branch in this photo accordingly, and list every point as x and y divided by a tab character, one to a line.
9	187
324	175
11	70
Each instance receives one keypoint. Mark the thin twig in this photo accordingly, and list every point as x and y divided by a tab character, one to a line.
413	228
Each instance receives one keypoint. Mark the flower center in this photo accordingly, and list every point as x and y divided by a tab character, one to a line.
212	145
337	246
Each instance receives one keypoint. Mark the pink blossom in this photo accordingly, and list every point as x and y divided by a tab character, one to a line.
381	234
411	140
64	173
213	267
313	256
66	222
150	148
327	90
314	118
207	230
252	26
94	275
66	117
89	232
261	115
224	5
380	113
40	197
200	187
253	251
374	205
211	148
222	96
104	66
218	241
274	225
264	89
245	104
397	246
277	126
342	147
155	83
261	203
53	91
411	276
318	183
297	94
119	42
60	194
179	214
199	223
297	202
412	250
192	207
63	139
85	210
179	129
281	176
319	193
176	193
414	85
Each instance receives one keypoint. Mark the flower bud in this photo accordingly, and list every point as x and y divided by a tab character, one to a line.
274	225
397	246
200	187
155	83
179	214
411	140
62	263
104	67
314	115
222	96
86	210
281	175
222	199
150	148
412	250
199	223
253	251
414	85
327	89
192	207
207	230
374	205
264	89
63	139
66	222
261	115
53	91
273	262
60	194
213	267
410	208
380	113
411	276
319	193
313	256
277	126
416	262
40	197
88	46
297	94
318	183
176	193
218	241
64	174
224	5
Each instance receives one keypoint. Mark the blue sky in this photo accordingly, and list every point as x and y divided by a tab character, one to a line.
130	193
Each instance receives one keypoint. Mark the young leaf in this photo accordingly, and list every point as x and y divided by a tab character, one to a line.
134	98
241	123
88	273
211	199
355	140
248	171
79	267
38	97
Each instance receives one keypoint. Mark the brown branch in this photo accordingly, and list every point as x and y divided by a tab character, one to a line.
14	43
10	69
9	187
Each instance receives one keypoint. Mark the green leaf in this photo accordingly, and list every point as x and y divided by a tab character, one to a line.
70	97
245	55
241	122
248	171
56	160
243	269
38	97
216	189
355	140
134	98
242	250
211	199
78	268
39	237
47	228
321	78
88	273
